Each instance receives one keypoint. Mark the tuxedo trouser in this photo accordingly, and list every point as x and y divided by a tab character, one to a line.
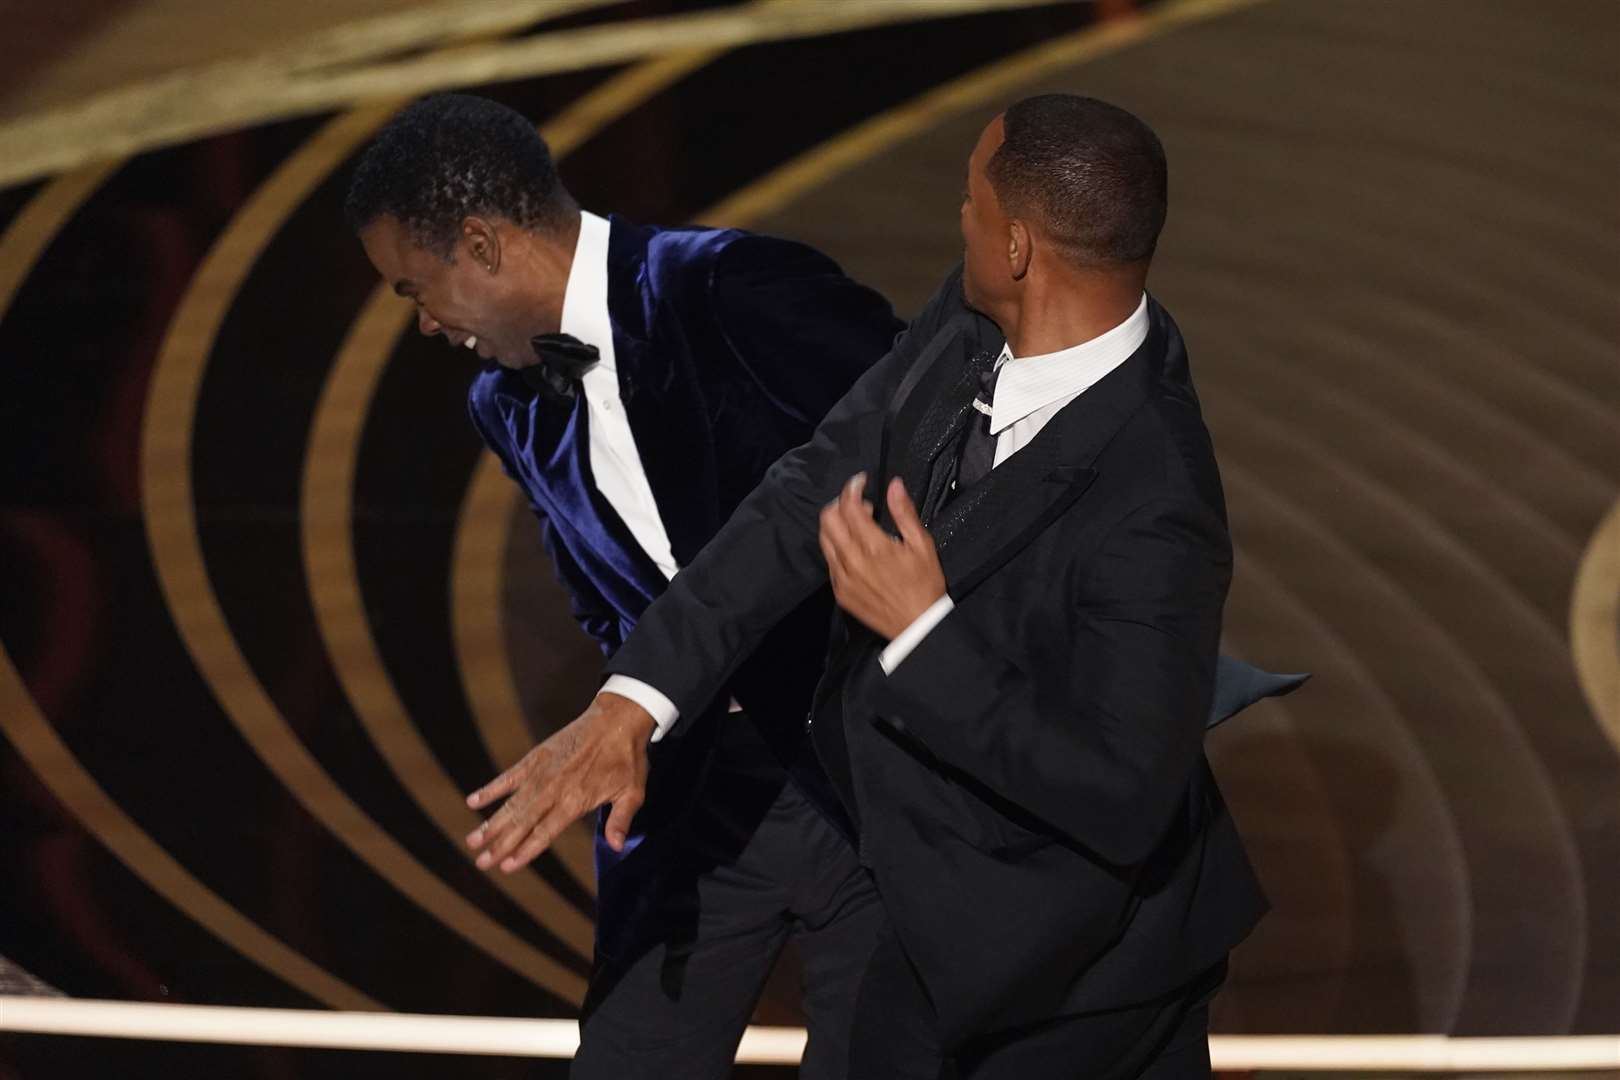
896	1036
679	1008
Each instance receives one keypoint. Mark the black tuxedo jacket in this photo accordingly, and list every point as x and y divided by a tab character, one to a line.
1030	784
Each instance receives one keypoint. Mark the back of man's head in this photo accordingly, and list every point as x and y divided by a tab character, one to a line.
453	156
1087	174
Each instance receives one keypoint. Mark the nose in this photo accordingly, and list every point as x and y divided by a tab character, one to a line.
427	324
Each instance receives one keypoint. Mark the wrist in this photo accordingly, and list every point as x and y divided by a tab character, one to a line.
915	612
627	715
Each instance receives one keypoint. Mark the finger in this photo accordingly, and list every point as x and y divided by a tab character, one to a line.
854	487
501	819
503	784
508	839
851	504
860	532
852	500
618	822
837	572
864	532
506	830
904	513
835	562
494	825
835	531
536	840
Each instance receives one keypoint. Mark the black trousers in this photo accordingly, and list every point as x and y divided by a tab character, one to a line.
896	1035
678	1008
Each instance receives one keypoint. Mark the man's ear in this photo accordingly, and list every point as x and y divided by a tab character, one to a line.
1020	249
481	243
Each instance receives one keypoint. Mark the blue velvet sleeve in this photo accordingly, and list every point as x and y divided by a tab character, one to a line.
802	329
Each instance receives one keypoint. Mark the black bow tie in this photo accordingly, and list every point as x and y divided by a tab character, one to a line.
564	360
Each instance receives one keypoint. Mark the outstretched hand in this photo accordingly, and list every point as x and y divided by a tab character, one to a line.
886	582
600	757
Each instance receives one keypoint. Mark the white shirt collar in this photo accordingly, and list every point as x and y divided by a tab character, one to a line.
1034	382
585	297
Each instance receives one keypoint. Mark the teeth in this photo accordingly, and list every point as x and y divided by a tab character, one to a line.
470	342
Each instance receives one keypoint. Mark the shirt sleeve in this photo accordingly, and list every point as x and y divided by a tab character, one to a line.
663	710
912	636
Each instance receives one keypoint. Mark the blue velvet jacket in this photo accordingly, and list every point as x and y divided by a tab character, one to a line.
730	347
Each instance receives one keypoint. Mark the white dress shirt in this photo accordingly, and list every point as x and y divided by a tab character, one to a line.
615	462
1029	391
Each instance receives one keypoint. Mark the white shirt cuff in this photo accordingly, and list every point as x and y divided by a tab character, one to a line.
912	636
663	710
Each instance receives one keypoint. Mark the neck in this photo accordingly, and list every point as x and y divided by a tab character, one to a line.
546	260
1056	311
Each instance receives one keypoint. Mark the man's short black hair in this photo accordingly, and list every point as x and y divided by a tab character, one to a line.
1090	174
450	156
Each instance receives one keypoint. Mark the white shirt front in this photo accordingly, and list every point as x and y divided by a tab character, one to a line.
1030	391
615	462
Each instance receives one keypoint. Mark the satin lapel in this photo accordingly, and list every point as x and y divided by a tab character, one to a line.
992	521
665	406
925	411
1001	514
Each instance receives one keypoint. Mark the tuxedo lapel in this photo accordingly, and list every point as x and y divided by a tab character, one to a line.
663	402
925	414
988	523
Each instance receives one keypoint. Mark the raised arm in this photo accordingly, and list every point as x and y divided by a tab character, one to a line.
761	564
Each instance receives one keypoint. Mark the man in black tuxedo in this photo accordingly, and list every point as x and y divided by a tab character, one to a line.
1019	680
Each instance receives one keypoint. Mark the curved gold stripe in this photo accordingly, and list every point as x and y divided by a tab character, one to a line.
76	789
170	519
334	588
415	28
54	763
120	120
843	152
33	229
175	112
1594	624
488	513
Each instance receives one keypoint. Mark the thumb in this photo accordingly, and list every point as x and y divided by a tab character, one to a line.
619	819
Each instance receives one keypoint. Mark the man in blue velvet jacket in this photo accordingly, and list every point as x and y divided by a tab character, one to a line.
671	368
643	381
